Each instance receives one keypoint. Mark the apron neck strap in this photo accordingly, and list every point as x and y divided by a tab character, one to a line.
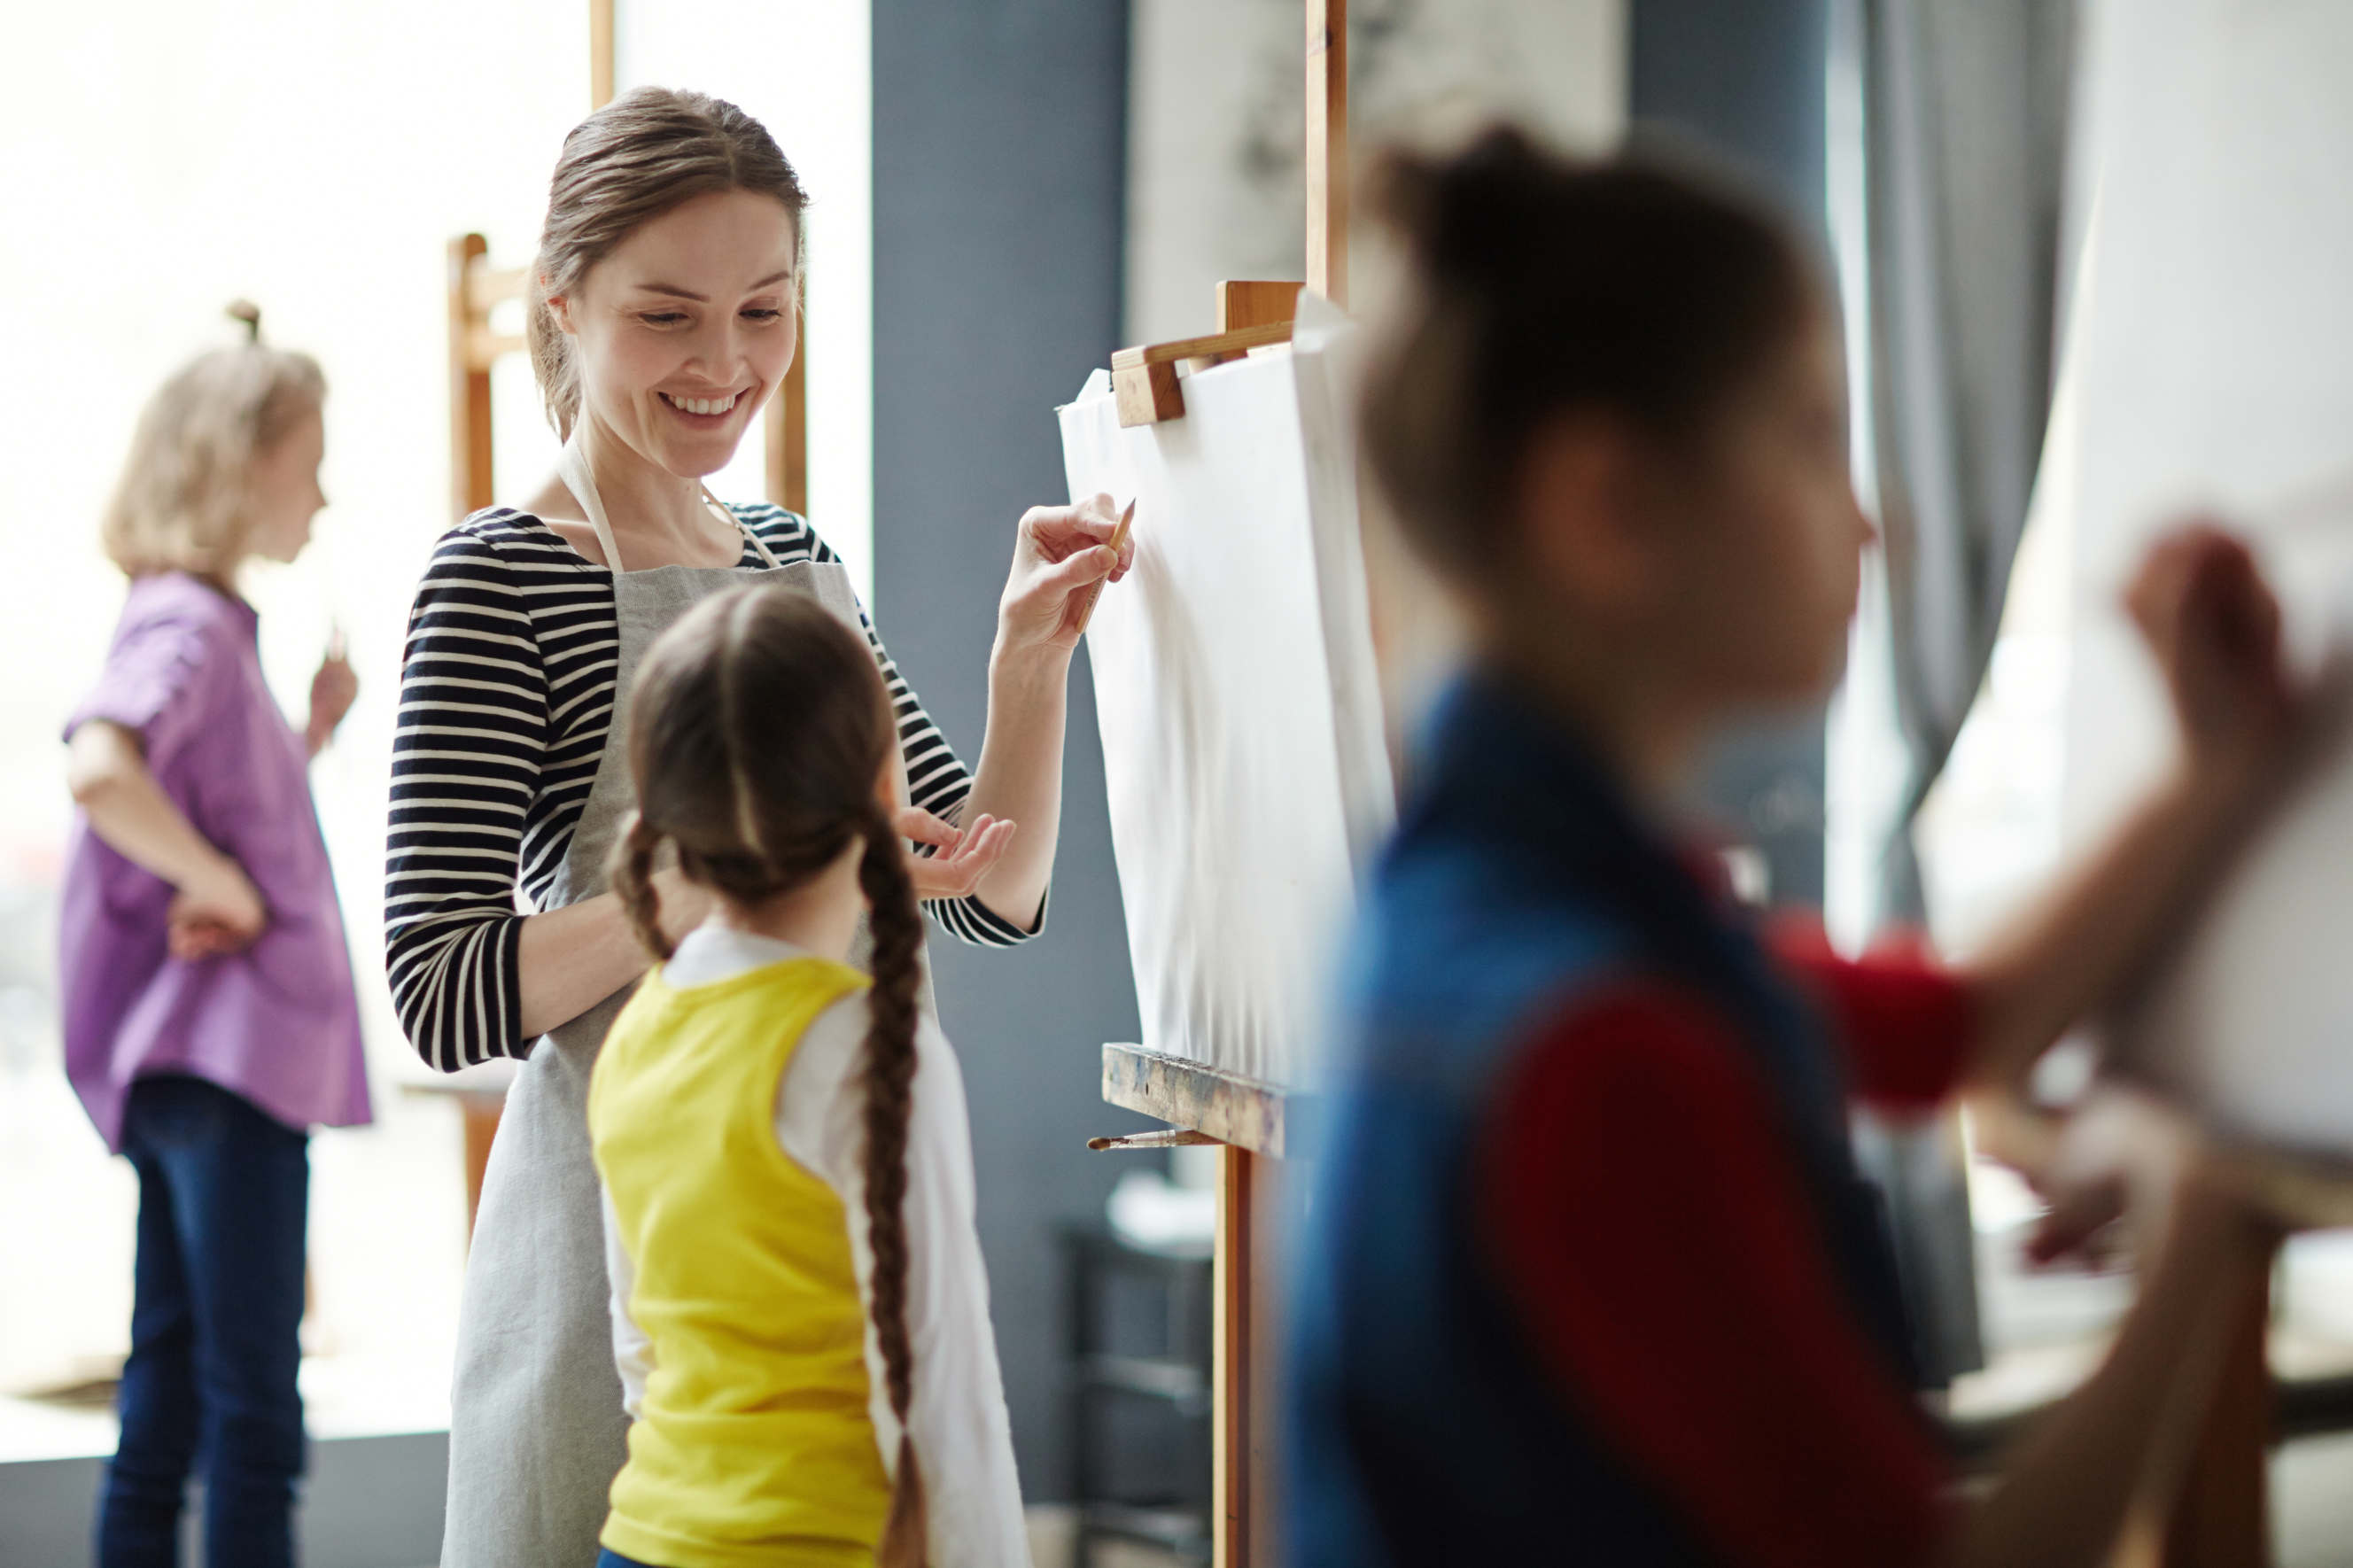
572	467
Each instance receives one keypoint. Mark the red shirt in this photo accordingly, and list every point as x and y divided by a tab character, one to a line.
1647	1219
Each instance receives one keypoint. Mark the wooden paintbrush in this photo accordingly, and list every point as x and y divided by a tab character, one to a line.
1118	540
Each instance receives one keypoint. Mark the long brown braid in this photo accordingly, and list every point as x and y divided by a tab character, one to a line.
758	733
898	932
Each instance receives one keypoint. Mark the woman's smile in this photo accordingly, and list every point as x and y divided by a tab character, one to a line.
702	413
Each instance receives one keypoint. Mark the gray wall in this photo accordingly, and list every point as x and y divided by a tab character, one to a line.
1000	159
1744	78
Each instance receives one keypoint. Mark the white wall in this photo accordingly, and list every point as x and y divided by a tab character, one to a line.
1216	115
161	159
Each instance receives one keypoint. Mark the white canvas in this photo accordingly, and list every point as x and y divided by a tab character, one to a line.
2254	1020
2210	361
1238	699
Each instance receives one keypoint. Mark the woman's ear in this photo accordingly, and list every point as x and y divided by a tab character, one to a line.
1583	527
560	307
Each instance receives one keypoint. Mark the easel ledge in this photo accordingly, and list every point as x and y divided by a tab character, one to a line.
1246	1112
1144	381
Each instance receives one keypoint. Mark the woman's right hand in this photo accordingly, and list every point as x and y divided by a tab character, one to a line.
2211	622
216	913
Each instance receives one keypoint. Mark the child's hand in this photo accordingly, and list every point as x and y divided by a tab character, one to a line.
332	691
965	854
2214	629
218	914
2122	1155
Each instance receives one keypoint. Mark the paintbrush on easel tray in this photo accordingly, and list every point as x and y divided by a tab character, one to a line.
1118	540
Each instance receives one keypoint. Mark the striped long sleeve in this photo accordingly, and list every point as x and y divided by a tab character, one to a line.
507	696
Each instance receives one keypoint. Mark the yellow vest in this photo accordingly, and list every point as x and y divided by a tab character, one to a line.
755	1446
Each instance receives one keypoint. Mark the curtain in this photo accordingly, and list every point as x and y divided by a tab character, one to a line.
1966	112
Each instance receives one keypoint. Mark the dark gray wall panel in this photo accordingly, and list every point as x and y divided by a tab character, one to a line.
999	160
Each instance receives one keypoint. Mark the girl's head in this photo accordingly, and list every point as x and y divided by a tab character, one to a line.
760	742
1612	412
665	297
223	464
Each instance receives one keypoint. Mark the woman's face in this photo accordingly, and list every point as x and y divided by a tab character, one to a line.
1721	570
1768	547
682	334
283	490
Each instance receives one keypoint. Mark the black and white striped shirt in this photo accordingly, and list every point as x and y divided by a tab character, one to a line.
506	696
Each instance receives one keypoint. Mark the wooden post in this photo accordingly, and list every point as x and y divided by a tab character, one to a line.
1327	149
2221	1514
600	53
787	426
1255	304
2206	1503
470	386
1231	1443
1245	1440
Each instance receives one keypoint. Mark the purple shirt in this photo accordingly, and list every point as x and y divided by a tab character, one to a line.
277	1022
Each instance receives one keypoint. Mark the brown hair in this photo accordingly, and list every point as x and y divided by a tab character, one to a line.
758	730
1542	284
183	501
649	150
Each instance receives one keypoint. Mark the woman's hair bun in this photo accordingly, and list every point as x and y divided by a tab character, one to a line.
1465	214
249	313
1641	287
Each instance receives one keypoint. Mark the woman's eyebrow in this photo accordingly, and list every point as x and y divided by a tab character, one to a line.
674	291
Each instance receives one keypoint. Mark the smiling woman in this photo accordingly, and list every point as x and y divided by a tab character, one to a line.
664	314
689	325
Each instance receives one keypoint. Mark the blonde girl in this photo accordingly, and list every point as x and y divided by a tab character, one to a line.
209	1018
786	1166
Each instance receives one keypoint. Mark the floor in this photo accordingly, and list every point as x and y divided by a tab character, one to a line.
378	1375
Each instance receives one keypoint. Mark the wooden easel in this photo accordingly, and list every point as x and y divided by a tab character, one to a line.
477	290
2217	1513
1245	1115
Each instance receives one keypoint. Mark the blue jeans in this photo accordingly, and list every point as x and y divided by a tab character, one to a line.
224	1194
608	1558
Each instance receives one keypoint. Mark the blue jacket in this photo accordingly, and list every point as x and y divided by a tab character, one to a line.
1423	1428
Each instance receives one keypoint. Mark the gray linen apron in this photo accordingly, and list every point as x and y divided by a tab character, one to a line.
536	1429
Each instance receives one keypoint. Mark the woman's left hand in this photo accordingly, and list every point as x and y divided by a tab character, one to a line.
1061	555
963	855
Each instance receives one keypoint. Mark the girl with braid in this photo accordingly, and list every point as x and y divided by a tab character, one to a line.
786	1166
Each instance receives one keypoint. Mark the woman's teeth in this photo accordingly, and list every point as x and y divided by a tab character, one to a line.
703	404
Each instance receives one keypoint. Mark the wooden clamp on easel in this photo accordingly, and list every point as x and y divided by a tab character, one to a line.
478	291
1200	1104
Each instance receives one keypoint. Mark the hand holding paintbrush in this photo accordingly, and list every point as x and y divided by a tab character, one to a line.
1063	556
1119	548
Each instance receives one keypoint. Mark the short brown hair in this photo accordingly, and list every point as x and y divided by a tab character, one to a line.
182	504
649	150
